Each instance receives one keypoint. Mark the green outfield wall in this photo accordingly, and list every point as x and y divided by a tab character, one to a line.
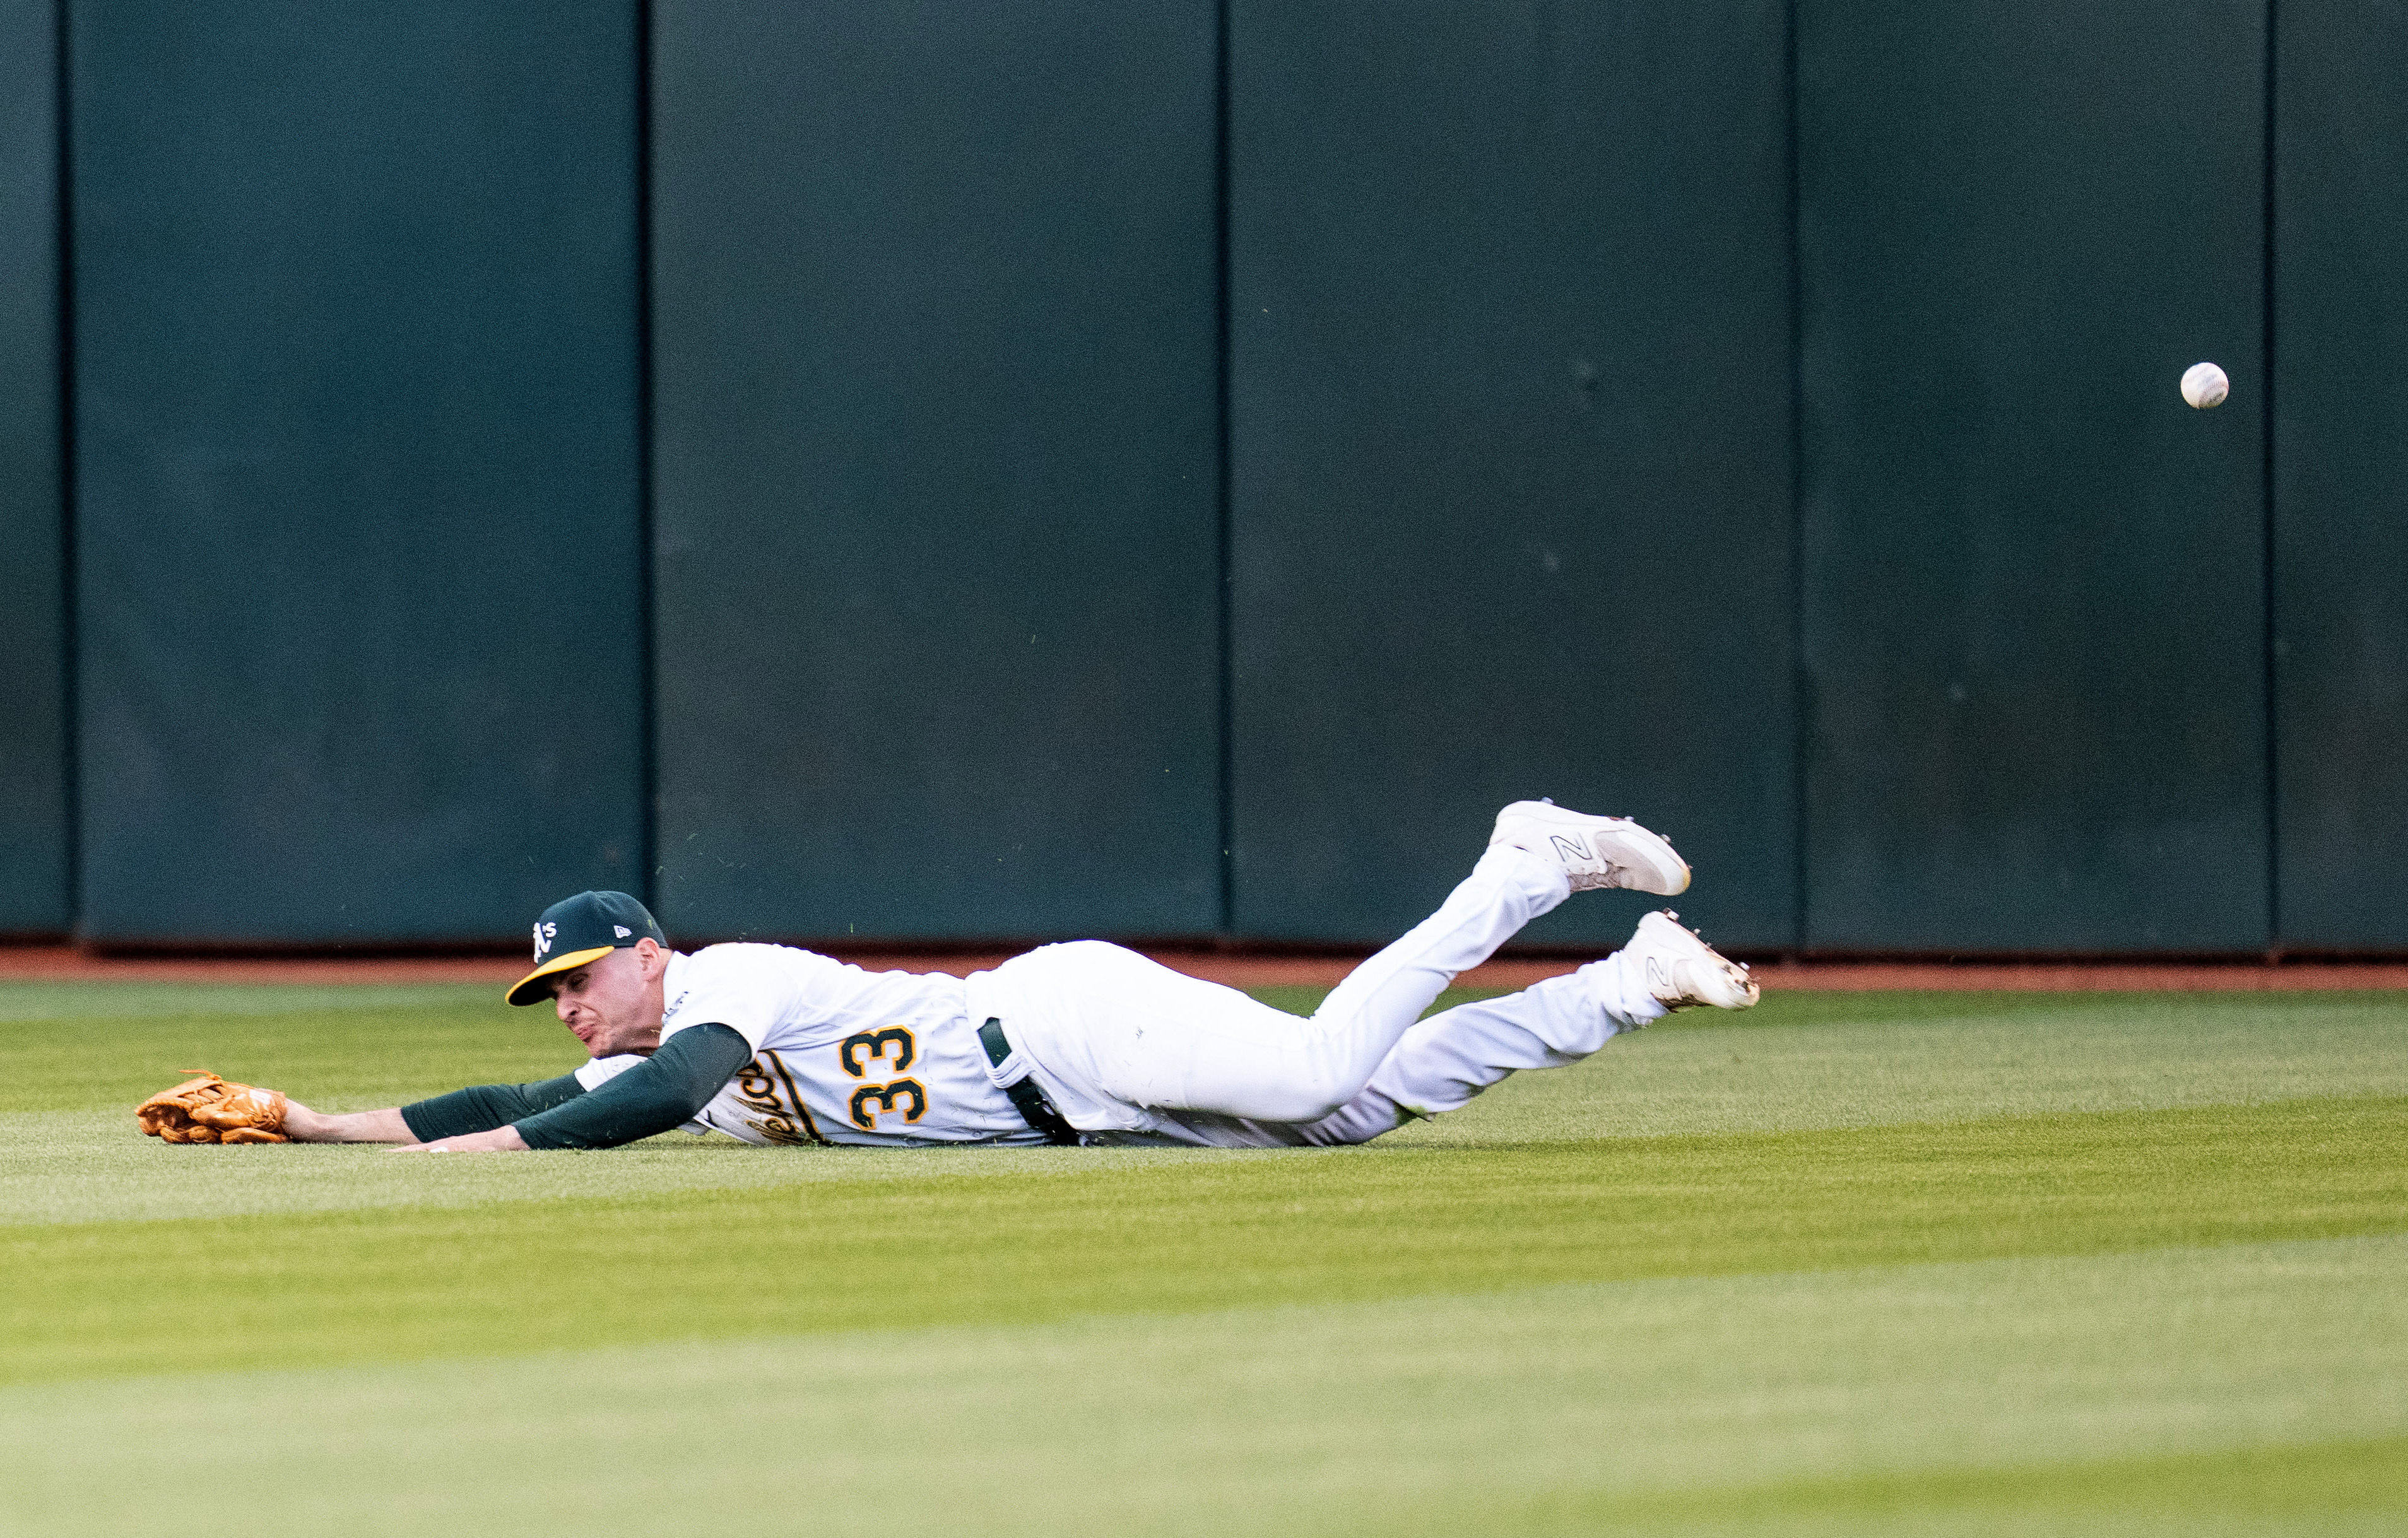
936	468
2338	513
360	644
2034	579
1510	449
1002	472
36	893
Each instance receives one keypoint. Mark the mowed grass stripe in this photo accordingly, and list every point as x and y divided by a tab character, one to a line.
1796	1061
79	1167
2336	1489
1793	1063
336	1049
1862	1060
2268	1380
1335	1226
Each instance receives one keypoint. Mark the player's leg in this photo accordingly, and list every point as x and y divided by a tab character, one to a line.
1538	854
1443	1061
1116	1035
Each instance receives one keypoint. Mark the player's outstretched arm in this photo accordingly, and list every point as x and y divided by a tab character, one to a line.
664	1092
304	1125
206	1108
464	1112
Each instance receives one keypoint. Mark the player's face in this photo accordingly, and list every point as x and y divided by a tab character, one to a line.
613	1004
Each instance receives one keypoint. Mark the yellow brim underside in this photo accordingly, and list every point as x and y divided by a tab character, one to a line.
569	961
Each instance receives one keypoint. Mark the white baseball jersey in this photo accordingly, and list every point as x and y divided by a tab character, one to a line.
840	1055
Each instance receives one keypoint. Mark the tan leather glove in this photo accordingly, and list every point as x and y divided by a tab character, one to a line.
208	1109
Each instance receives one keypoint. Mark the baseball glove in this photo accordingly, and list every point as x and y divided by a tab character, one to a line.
208	1109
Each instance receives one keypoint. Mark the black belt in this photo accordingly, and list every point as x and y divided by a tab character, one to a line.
1026	1097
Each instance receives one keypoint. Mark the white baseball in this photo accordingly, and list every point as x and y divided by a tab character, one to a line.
2204	385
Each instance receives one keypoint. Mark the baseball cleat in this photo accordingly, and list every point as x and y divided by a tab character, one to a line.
1595	851
1682	970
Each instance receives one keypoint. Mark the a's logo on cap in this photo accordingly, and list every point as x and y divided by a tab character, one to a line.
621	931
543	933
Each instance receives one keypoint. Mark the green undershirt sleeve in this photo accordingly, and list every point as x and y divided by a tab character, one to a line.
486	1106
664	1092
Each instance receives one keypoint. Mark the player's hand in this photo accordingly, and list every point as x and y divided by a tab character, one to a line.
500	1140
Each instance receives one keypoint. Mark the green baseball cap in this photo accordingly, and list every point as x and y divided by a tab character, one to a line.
581	929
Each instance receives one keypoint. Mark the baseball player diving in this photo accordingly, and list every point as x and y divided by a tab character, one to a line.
1078	1043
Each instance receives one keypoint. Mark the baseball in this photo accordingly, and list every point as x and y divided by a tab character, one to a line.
2204	385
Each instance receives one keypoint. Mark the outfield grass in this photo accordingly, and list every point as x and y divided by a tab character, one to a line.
1872	1263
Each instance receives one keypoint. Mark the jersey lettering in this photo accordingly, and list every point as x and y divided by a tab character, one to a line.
757	1087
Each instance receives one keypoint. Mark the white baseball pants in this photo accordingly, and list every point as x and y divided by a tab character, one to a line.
1132	1051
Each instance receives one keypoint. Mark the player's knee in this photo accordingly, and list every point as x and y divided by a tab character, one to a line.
1310	1096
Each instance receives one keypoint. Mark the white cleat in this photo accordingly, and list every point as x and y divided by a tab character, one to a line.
1595	851
1682	970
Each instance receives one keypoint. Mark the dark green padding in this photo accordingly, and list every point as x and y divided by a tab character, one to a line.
660	1094
33	684
360	640
2034	578
482	1107
2340	474
1510	451
657	1095
936	619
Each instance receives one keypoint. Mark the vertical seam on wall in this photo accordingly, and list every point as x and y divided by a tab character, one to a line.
647	708
1225	470
70	691
1801	692
2266	495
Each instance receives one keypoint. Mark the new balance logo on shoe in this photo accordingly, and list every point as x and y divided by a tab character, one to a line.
1594	851
1683	969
